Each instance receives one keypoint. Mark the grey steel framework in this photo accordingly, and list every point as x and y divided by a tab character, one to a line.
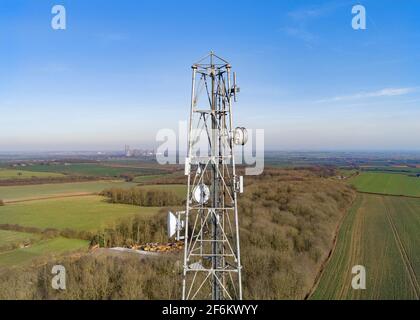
212	264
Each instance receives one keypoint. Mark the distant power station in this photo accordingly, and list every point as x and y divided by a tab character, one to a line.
133	153
212	262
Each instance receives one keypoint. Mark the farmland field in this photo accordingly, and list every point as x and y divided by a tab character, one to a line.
387	183
93	169
88	213
7	174
18	193
392	169
42	249
381	234
60	206
407	225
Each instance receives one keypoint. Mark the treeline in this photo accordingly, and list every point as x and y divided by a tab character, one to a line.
142	197
176	177
133	230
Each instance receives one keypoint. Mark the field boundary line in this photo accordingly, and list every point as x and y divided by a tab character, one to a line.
29	182
75	195
330	254
404	255
388	195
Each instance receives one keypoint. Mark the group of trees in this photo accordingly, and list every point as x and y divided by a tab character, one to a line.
288	221
176	177
143	197
96	277
1	203
133	230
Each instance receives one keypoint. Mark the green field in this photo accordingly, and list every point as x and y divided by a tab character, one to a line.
387	183
17	193
392	169
42	249
380	233
67	210
93	169
62	206
88	213
7	174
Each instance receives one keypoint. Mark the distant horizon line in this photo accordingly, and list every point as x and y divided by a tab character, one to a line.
98	151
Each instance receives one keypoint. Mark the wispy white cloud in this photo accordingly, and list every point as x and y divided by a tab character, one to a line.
300	19
297	27
386	92
311	12
307	13
300	33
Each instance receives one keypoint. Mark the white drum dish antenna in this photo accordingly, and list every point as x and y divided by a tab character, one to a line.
240	136
201	194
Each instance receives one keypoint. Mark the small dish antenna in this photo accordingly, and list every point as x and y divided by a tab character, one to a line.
201	194
240	136
175	224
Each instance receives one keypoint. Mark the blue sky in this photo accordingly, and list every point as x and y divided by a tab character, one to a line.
121	71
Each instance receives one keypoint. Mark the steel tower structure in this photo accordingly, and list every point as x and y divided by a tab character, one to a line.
212	264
